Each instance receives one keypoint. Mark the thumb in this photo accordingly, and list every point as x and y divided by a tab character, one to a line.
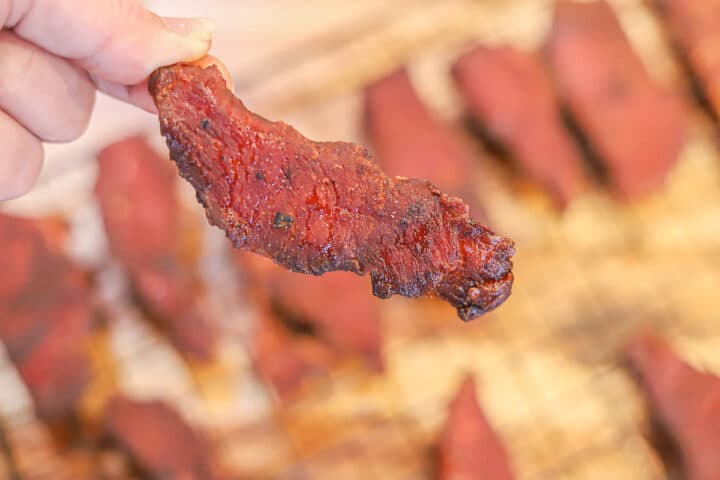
118	41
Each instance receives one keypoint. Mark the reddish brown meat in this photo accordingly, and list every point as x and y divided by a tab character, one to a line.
635	126
511	95
283	358
687	402
408	141
317	207
337	306
158	440
46	313
469	448
695	28
137	192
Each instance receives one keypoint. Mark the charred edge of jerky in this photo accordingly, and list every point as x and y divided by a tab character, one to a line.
293	322
592	160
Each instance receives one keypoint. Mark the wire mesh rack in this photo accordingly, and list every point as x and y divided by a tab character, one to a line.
550	375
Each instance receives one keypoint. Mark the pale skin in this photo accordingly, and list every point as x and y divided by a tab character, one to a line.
56	54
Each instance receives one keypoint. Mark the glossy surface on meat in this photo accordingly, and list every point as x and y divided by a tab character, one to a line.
636	127
409	142
317	207
158	440
695	28
686	401
510	93
337	306
136	188
46	313
469	448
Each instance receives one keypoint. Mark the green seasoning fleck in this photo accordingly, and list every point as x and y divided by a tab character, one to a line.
282	220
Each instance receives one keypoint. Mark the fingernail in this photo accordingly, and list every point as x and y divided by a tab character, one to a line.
195	29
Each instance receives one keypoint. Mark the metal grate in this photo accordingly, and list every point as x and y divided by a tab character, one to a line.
547	363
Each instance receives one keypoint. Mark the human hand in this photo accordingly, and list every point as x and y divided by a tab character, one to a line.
54	55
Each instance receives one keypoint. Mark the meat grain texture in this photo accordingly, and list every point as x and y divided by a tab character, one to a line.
315	207
636	126
46	315
511	95
685	400
469	447
136	188
409	141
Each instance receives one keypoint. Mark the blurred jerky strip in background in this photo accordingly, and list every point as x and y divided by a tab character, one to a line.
636	127
315	207
337	306
695	29
469	448
686	401
46	314
158	440
136	188
409	141
513	98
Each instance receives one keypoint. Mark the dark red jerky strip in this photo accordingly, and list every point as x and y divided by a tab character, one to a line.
510	93
317	207
636	126
136	188
695	28
685	400
158	440
283	359
469	448
409	141
46	314
337	305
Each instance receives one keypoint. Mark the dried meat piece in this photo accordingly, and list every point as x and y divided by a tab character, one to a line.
136	188
158	440
286	360
469	447
336	306
409	141
510	93
695	29
636	126
686	401
317	207
46	315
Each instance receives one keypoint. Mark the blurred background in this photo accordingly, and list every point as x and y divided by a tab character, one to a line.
548	363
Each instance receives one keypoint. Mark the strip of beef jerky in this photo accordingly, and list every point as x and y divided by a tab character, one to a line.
285	359
158	440
136	188
409	141
510	93
469	447
636	126
695	29
337	306
46	314
317	207
686	401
